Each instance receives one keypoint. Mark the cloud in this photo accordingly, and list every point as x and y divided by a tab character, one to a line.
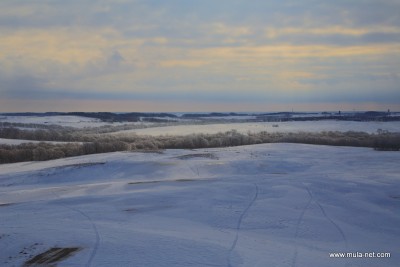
224	51
334	35
21	86
115	60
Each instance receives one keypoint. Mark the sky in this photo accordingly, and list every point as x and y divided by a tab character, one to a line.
208	55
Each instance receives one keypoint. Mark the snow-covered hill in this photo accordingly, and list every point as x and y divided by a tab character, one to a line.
263	205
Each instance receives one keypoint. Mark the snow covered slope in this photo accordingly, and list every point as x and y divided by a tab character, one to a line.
263	205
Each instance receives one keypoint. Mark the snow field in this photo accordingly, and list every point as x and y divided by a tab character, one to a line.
262	205
290	126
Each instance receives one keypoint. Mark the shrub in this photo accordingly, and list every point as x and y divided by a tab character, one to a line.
387	141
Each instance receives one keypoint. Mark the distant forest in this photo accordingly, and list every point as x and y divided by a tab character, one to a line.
277	116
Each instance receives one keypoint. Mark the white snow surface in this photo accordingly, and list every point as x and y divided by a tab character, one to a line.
262	205
72	121
290	126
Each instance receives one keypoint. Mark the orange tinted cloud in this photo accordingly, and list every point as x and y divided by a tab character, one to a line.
227	50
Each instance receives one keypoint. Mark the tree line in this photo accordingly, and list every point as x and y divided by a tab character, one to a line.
92	143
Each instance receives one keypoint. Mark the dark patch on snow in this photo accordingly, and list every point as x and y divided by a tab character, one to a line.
54	170
163	181
6	204
51	256
184	180
144	182
80	165
201	155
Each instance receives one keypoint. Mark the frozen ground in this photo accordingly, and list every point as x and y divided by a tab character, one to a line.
290	126
264	205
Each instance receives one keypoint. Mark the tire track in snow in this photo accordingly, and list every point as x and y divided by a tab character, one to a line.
195	170
94	227
330	220
299	220
312	199
239	223
97	243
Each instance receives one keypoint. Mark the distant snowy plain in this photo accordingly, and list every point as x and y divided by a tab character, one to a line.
255	127
262	205
68	121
